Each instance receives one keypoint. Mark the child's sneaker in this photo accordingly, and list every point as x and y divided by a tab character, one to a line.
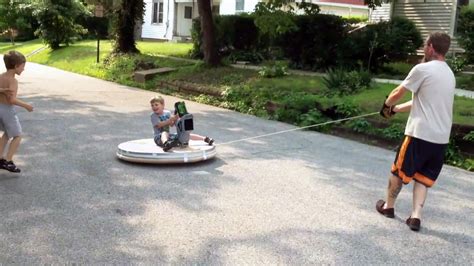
209	140
10	166
170	144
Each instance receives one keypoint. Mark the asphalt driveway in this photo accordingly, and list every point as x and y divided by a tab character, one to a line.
297	198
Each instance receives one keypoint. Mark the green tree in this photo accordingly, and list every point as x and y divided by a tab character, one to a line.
13	15
465	32
57	20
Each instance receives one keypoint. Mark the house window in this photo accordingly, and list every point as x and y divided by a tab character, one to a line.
239	5
188	12
157	14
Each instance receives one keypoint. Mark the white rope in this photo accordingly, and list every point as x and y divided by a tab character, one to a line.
298	128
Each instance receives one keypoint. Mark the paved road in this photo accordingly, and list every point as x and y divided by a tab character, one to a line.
300	198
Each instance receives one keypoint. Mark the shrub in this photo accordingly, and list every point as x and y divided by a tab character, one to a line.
312	45
456	63
347	109
341	82
233	33
465	32
393	132
252	56
17	22
57	21
453	154
469	136
377	44
360	125
313	117
273	71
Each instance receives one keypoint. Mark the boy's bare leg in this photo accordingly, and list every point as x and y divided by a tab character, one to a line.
394	187
196	137
3	144
164	137
13	148
419	196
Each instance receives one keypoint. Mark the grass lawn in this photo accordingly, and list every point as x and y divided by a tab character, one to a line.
25	48
80	57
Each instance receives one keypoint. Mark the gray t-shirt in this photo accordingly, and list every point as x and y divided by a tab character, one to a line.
156	118
432	85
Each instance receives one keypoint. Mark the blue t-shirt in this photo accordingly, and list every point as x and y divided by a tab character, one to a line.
156	118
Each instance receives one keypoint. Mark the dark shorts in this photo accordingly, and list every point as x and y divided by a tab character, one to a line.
420	160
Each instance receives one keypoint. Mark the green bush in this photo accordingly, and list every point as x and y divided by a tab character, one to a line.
274	70
340	82
465	32
312	45
313	117
469	136
17	15
453	154
57	19
252	56
346	109
393	132
456	63
380	43
360	125
465	82
232	33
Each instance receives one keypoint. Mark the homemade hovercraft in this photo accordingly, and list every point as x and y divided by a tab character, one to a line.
187	151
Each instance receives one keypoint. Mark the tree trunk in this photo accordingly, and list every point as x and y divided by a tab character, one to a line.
125	40
207	30
12	37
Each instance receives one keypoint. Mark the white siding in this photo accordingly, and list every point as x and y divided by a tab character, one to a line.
381	13
227	7
162	30
184	25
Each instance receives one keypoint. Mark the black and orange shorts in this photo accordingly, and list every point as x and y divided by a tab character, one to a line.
420	160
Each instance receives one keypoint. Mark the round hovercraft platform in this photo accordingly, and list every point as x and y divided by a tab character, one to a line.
146	151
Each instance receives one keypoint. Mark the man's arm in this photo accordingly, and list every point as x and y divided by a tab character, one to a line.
404	107
396	95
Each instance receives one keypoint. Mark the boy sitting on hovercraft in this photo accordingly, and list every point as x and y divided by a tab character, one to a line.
162	120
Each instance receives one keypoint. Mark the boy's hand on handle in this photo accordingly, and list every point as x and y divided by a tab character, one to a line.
387	111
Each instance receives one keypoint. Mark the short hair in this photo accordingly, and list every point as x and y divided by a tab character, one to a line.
13	59
157	99
440	42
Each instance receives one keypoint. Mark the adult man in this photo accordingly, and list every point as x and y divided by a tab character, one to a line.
421	155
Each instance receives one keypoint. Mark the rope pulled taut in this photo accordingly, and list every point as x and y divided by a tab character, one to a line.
299	128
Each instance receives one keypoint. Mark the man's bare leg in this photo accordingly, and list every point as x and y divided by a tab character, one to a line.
394	187
15	143
419	196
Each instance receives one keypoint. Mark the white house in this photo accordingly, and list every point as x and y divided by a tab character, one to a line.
172	19
428	15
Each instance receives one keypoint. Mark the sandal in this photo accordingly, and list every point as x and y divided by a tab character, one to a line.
209	141
10	166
